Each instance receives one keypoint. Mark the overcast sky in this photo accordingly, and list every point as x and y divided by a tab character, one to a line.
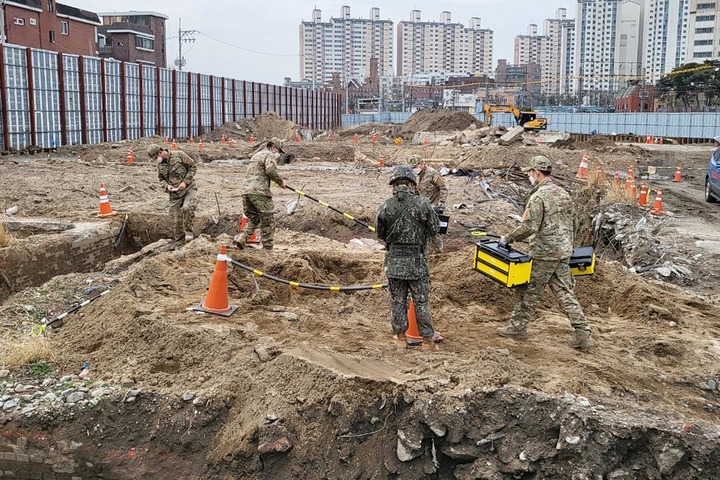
259	40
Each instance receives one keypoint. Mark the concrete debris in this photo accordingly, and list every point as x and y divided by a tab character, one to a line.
511	136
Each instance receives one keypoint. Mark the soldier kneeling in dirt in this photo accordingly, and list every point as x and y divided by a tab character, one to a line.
257	197
176	171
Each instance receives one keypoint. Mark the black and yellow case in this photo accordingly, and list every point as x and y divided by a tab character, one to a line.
507	267
582	261
512	268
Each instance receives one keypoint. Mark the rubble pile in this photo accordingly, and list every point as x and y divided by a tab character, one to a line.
431	120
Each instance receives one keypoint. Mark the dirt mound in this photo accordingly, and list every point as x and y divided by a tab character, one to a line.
265	126
386	129
596	142
431	120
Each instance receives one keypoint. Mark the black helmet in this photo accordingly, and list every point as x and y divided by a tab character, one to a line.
403	172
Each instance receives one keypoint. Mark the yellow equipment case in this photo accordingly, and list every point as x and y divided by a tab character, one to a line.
511	268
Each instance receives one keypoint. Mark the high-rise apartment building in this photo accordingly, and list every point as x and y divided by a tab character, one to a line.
665	36
703	40
345	46
608	43
443	46
528	47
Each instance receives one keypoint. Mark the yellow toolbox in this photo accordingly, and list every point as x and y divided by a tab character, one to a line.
508	267
512	268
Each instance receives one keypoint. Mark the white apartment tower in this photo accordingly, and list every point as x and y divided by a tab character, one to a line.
345	45
608	42
559	33
528	47
443	46
703	31
665	36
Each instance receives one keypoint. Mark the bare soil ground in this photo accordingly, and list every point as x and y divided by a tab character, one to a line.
319	369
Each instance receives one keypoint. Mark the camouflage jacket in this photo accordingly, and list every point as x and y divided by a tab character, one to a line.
550	217
432	186
178	168
404	223
262	169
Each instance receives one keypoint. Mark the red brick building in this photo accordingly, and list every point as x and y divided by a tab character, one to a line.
134	37
635	98
50	26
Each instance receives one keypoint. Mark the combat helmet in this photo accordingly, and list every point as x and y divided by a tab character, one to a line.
414	159
402	172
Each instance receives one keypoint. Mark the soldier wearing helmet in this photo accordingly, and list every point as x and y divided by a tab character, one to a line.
176	172
257	198
405	222
431	185
549	220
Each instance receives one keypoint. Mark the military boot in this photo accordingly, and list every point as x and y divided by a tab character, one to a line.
428	343
400	341
510	331
581	339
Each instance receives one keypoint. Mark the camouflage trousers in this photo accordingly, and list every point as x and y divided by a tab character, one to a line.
260	212
420	292
557	274
182	212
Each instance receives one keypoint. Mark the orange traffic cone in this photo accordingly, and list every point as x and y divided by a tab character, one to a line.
658	205
192	140
629	182
373	139
252	138
167	140
643	200
174	145
200	145
331	137
584	168
223	139
231	143
425	142
254	238
631	172
216	300
130	157
355	138
678	174
616	179
105	208
297	138
648	138
599	175
381	162
413	332
660	141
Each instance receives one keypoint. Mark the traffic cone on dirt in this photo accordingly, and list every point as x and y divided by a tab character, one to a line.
231	143
216	300
355	138
425	142
252	138
373	138
331	137
174	145
631	172
254	238
413	332
167	140
192	140
297	138
629	183
130	157
599	175
381	161
200	146
678	174
643	200
584	167
105	208
616	179
648	138
660	141
223	139
658	205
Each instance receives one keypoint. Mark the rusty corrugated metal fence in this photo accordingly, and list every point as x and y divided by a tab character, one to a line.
49	99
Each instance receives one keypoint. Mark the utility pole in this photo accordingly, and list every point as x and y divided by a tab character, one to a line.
183	36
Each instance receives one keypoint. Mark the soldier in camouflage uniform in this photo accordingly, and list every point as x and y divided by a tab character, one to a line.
549	216
257	198
404	223
432	186
176	171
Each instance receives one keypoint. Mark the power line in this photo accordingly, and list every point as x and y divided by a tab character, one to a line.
247	49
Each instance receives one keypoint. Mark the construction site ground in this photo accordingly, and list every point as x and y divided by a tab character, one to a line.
308	384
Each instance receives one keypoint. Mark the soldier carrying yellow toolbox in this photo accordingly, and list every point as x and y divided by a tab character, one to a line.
549	218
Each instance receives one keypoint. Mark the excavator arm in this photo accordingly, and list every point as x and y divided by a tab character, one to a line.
528	119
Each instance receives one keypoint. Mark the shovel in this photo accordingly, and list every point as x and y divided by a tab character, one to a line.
292	206
216	218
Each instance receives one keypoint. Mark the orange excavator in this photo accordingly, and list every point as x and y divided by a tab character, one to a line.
526	119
